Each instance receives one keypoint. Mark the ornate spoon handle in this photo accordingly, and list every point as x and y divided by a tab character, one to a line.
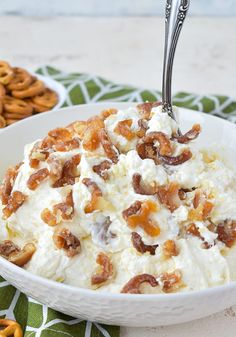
176	11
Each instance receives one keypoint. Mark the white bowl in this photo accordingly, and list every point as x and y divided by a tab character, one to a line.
119	309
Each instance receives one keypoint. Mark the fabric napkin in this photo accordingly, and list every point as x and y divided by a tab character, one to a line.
37	319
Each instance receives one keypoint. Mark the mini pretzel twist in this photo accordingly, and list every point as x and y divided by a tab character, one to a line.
11	328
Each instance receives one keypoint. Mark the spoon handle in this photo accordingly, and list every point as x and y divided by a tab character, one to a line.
176	11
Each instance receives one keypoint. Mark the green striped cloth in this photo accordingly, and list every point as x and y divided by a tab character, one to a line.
37	319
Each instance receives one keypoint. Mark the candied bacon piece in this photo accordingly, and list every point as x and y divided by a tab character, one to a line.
48	217
36	178
109	148
226	231
169	196
133	286
140	246
96	194
101	169
108	112
180	159
142	123
69	172
15	201
171	281
107	270
69	145
65	209
60	134
22	257
8	183
170	249
188	136
123	129
67	241
7	248
164	148
145	108
140	188
142	217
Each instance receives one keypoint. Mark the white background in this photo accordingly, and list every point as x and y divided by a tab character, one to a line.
110	7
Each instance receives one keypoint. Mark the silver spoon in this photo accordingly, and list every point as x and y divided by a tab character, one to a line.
176	11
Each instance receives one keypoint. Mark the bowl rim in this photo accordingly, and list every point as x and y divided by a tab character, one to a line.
112	296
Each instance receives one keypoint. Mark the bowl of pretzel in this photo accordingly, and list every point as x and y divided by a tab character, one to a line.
24	94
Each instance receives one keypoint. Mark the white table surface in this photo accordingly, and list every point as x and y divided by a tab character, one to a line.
129	50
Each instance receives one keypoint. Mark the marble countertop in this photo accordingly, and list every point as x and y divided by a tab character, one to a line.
130	50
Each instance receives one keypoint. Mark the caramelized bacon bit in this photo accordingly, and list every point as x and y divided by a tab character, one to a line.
141	217
140	246
133	286
69	172
8	248
145	108
140	188
227	232
106	270
48	217
189	136
15	200
164	148
170	249
36	178
169	196
65	209
110	150
142	128
123	129
180	159
171	281
68	145
22	257
60	134
101	169
64	239
108	112
8	183
96	194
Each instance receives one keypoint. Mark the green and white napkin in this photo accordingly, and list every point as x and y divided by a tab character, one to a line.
37	319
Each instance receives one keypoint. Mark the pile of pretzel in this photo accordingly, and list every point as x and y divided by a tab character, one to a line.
22	95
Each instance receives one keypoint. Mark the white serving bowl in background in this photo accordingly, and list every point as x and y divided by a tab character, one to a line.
118	309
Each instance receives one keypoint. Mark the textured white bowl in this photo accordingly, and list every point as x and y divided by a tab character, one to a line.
119	309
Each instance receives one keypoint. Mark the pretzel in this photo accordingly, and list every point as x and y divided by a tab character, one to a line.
2	91
21	80
10	121
34	89
3	122
11	328
6	73
16	117
37	108
48	98
16	106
